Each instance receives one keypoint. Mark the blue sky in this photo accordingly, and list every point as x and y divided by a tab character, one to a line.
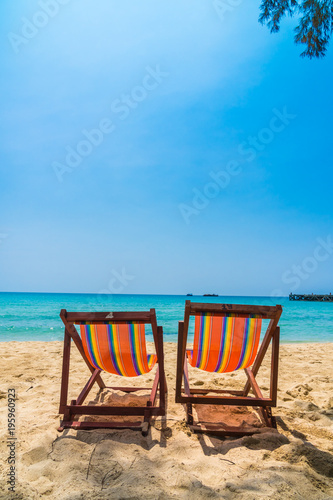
161	147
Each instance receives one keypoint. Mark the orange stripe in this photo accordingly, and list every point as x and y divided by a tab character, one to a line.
142	350
256	341
237	343
124	350
105	349
215	341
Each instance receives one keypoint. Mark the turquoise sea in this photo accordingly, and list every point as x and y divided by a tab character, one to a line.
35	316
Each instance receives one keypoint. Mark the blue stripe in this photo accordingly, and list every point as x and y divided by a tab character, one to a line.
132	344
112	349
90	346
223	341
245	342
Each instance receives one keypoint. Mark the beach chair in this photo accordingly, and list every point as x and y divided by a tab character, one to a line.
226	338
112	342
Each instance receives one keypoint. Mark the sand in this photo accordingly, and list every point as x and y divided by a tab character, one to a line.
293	462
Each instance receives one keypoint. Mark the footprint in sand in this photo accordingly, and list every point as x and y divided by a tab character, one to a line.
306	405
101	470
104	473
299	391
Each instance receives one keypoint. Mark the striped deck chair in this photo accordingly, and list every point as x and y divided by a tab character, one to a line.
226	339
114	343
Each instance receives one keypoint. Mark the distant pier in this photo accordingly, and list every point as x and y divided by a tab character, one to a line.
311	297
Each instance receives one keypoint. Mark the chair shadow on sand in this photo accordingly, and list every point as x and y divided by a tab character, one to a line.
98	450
320	461
245	419
271	440
119	398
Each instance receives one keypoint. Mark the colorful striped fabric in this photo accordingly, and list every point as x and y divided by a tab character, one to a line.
224	344
117	348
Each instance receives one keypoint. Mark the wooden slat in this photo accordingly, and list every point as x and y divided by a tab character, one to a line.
65	371
129	389
153	393
217	391
264	416
275	365
266	312
87	388
112	410
181	349
225	431
99	425
254	386
180	363
112	317
186	379
160	358
218	400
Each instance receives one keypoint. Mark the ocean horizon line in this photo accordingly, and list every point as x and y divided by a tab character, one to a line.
149	294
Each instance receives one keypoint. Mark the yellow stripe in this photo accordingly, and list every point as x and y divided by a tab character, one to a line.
138	349
249	346
229	335
209	340
94	340
256	332
117	352
205	346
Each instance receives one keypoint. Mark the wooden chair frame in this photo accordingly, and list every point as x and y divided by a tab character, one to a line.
189	396
76	406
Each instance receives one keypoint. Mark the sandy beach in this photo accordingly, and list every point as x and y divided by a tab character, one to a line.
294	461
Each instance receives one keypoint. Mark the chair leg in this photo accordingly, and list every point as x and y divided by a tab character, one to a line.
266	413
189	414
65	371
189	408
272	420
68	417
275	364
146	423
